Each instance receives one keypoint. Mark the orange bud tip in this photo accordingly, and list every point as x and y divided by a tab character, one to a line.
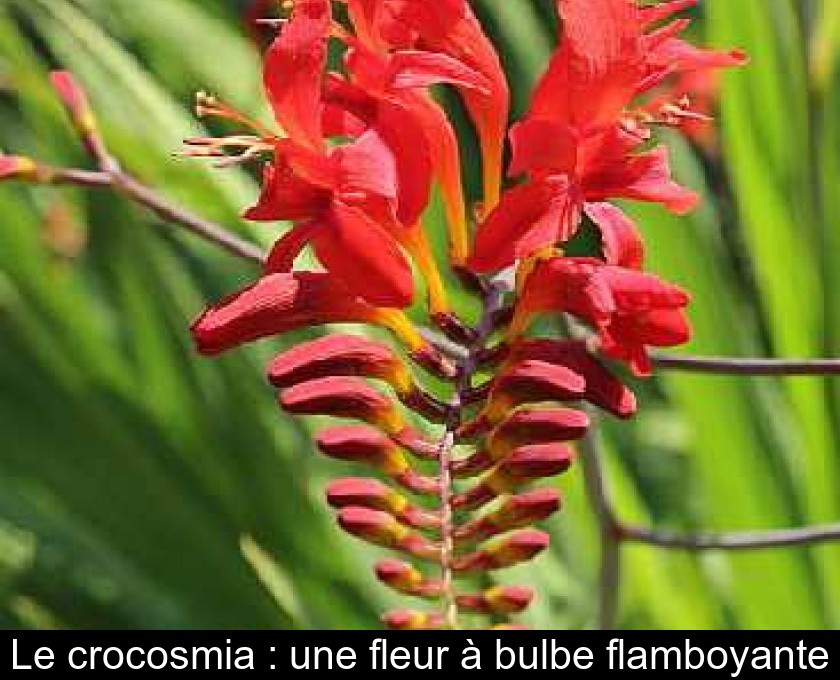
17	167
75	100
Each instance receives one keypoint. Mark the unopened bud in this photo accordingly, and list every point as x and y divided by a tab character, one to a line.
369	493
515	512
75	101
498	600
405	619
530	382
512	549
537	426
17	167
339	355
406	579
343	398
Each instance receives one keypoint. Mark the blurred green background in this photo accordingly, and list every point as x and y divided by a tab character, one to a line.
143	486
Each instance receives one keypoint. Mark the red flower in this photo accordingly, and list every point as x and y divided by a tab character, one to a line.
447	27
630	310
579	143
345	201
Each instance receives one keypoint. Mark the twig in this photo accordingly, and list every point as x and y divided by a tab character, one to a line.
750	366
609	578
747	540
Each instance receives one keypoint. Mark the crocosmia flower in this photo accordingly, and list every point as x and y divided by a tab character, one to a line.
455	468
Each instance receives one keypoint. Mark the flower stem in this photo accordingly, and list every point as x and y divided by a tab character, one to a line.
467	368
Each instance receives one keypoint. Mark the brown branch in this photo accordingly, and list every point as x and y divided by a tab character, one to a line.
749	366
111	174
609	577
746	540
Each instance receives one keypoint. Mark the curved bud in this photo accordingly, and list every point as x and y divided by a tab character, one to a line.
405	619
339	355
369	493
382	529
515	512
524	465
527	382
512	549
535	426
406	579
275	304
75	101
363	444
343	398
603	389
498	600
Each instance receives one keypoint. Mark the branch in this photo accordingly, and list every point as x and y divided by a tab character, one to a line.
110	174
759	367
747	540
609	578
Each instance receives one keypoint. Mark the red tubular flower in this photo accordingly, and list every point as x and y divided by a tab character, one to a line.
447	27
579	143
346	200
275	304
369	493
630	310
406	579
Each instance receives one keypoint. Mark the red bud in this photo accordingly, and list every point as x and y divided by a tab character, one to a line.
404	619
17	167
498	600
339	355
343	398
513	549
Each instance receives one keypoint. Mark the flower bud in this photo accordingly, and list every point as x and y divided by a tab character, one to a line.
405	619
369	493
498	600
537	426
339	355
383	529
524	465
602	388
529	382
17	167
406	579
515	512
75	100
508	551
343	398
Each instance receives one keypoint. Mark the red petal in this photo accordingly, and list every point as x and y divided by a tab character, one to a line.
680	55
643	177
367	166
294	71
529	217
536	426
364	257
595	72
275	304
570	285
542	146
620	238
533	381
285	196
535	461
282	257
416	69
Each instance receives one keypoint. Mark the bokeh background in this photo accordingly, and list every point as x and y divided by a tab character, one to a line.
142	486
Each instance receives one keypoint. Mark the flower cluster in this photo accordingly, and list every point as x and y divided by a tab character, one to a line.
360	143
